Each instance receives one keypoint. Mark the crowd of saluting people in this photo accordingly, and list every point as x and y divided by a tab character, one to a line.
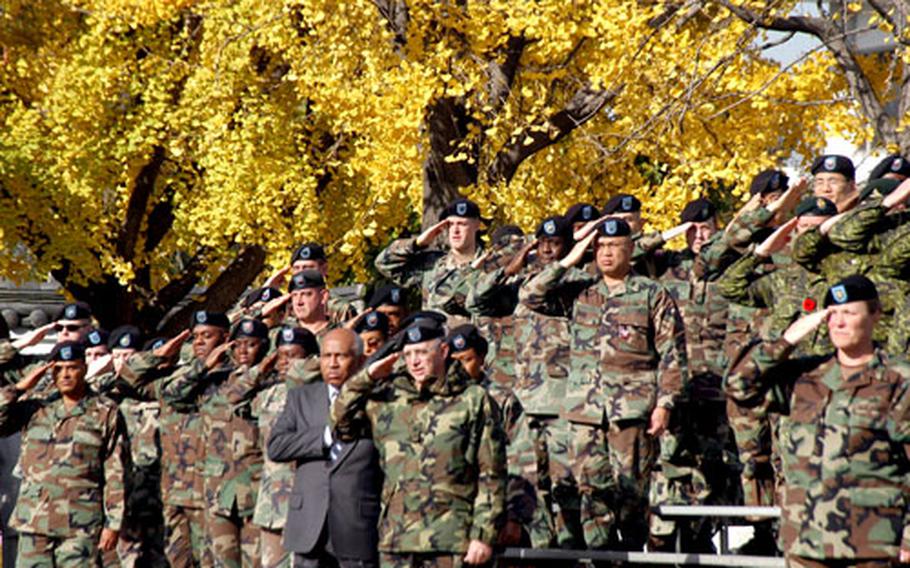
548	390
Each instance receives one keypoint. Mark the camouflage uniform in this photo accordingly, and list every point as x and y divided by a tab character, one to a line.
231	464
142	537
444	283
699	450
845	450
181	476
753	426
628	358
538	454
73	465
442	452
268	394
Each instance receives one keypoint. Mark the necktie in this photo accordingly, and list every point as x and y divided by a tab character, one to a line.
337	446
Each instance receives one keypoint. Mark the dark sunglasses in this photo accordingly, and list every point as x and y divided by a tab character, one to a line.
72	327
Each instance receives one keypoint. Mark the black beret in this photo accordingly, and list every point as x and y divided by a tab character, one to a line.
373	321
893	164
125	337
424	318
622	203
854	288
306	279
878	188
502	235
466	337
154	343
217	319
249	327
308	251
555	226
461	208
769	181
698	211
834	164
96	337
265	294
76	311
387	295
816	207
581	213
418	333
297	336
614	227
68	351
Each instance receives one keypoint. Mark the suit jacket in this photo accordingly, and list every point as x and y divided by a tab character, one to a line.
342	496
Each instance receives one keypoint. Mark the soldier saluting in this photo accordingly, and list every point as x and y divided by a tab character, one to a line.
845	433
73	461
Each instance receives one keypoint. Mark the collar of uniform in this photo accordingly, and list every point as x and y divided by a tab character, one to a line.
449	260
833	377
60	411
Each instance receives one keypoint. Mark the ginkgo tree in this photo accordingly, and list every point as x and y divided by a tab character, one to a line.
152	148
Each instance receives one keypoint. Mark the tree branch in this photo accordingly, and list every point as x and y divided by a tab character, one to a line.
582	107
395	13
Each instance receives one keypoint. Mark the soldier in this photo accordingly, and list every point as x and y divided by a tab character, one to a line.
373	329
311	256
267	386
183	445
309	298
541	368
74	323
580	214
845	433
441	450
73	459
390	300
232	458
894	167
628	370
440	275
701	440
835	179
96	345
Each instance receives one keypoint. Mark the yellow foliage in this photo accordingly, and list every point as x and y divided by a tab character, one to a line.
286	121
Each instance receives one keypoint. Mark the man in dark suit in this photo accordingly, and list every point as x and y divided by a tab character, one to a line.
334	507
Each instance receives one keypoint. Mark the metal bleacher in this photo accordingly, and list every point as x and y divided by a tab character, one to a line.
727	515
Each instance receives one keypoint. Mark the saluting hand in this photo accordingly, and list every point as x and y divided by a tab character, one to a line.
352	323
217	353
520	260
900	195
778	239
171	347
31	379
430	234
789	199
381	369
805	325
578	251
277	280
33	337
588	227
273	305
670	234
100	365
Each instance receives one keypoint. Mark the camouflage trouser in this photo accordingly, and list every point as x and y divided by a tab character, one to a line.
632	457
802	562
752	429
184	536
40	551
141	541
593	474
549	502
233	541
391	560
273	553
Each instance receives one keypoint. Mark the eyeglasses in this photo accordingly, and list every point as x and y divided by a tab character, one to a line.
71	327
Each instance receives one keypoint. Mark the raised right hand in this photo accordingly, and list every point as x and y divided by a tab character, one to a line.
430	234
